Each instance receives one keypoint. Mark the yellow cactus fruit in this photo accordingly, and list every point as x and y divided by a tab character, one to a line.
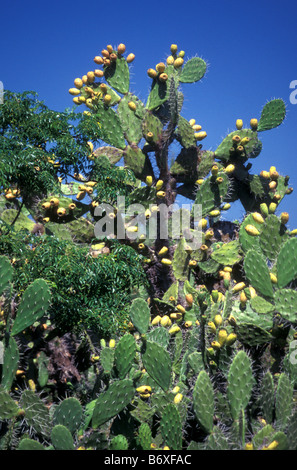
202	224
163	251
176	390
181	54
192	122
74	91
189	299
32	385
203	247
46	205
111	343
272	185
132	105
238	287
174	329
180	308
109	48
98	60
172	299
91	76
78	83
144	389
219	180
170	60
249	446
236	139
239	124
212	326
160	67
272	207
152	73
165	321
178	398
284	217
188	324
272	169
107	99
254	124
218	320
72	206
252	292
98	73
163	77
161	194
54	202
252	230
156	320
130	58
199	181
214	213
121	48
175	315
265	174
166	261
271	446
214	170
80	195
192	263
243	298
229	168
178	62
244	141
173	48
132	229
227	269
231	338
147	214
200	135
273	278
215	345
197	127
46	220
61	211
159	184
258	217
149	180
222	336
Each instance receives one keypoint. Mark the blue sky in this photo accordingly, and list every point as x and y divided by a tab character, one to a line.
250	47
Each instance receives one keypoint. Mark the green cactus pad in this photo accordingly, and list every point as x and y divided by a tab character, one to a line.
286	304
186	164
180	262
158	95
111	128
157	362
151	124
193	70
203	401
8	407
136	160
117	74
43	372
257	273
10	363
34	304
145	436
185	134
273	114
240	383
6	273
272	236
107	359
248	241
131	120
211	194
286	265
251	150
171	427
119	442
30	444
140	315
283	400
112	401
267	397
251	334
228	254
261	305
159	335
36	412
68	413
22	222
61	438
124	355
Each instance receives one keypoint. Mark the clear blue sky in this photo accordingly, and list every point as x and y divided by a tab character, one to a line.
250	46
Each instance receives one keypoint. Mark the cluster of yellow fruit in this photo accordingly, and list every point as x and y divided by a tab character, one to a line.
108	56
168	320
199	134
11	193
253	124
159	71
53	209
